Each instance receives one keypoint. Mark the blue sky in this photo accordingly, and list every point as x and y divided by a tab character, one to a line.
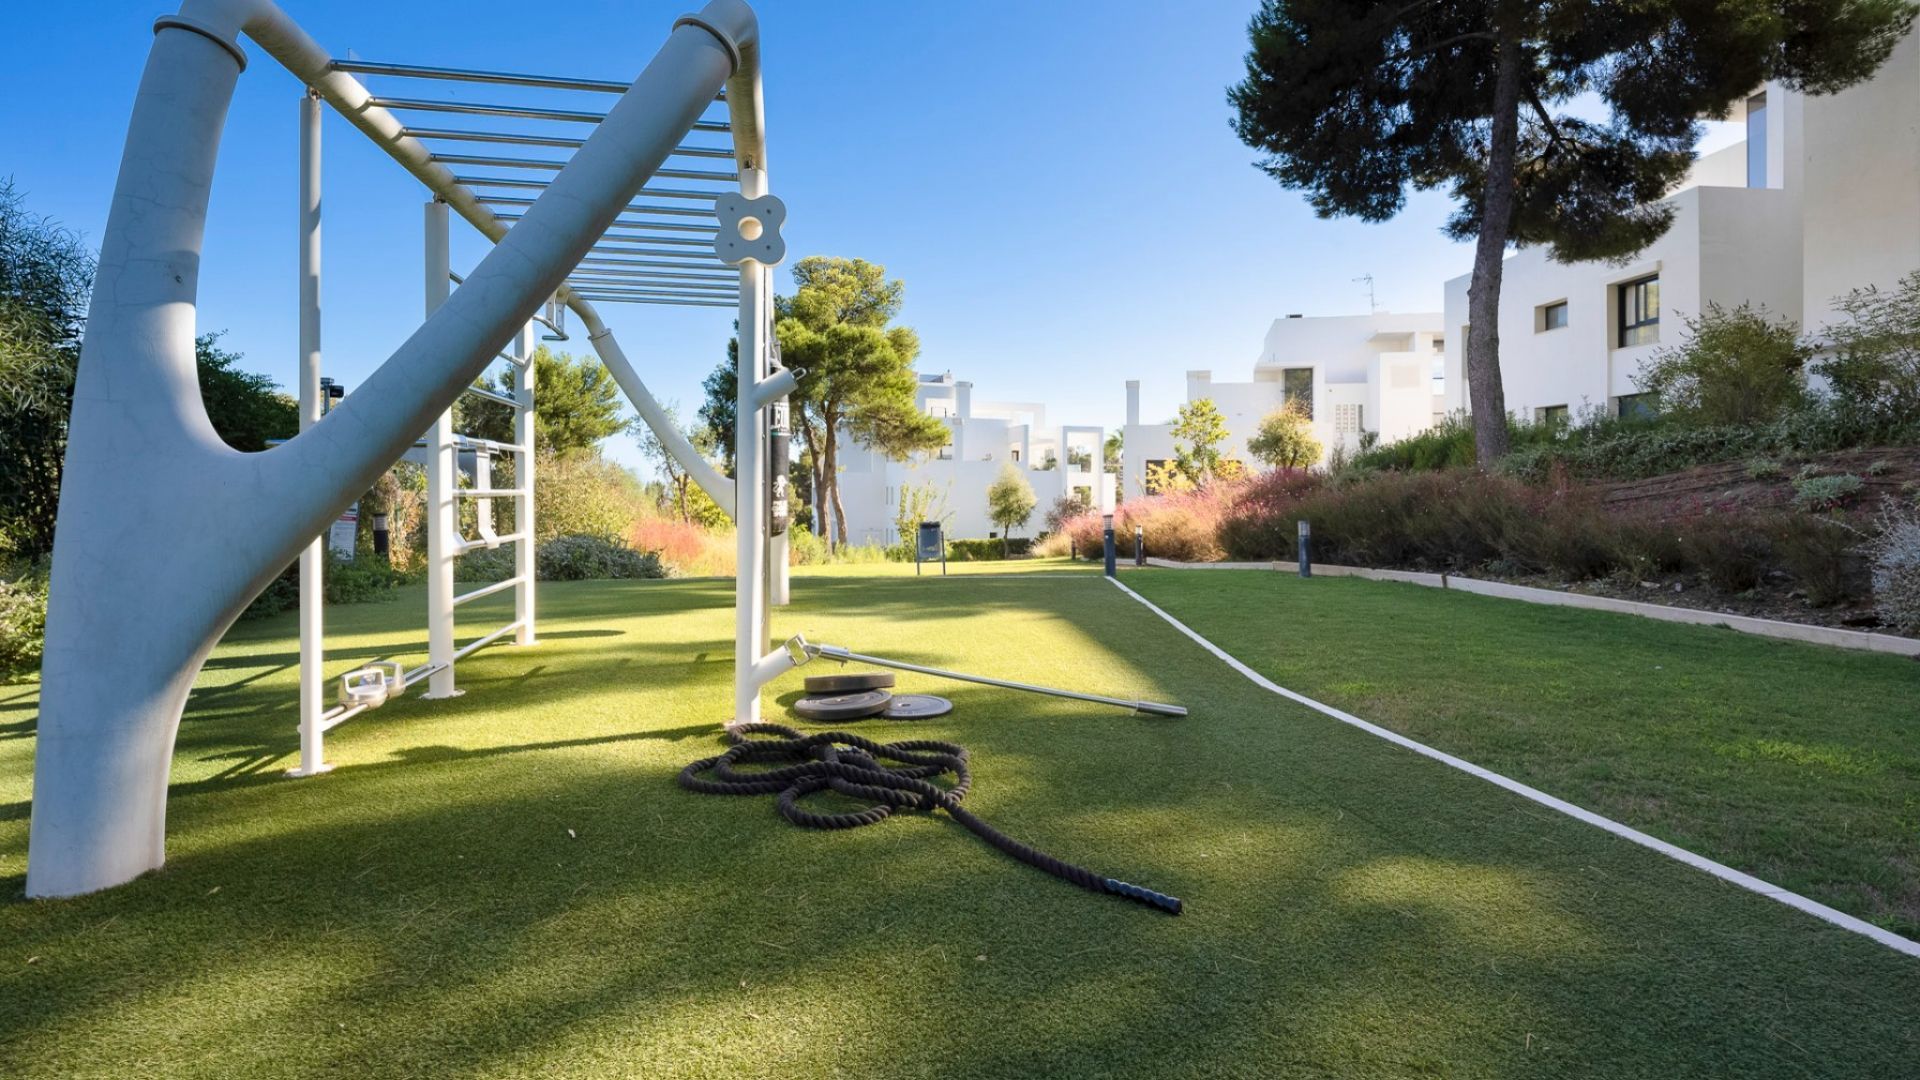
1056	184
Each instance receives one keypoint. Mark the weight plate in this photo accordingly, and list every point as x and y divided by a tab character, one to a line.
849	682
843	706
917	707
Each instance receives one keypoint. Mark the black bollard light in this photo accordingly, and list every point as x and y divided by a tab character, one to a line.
1306	545
380	535
1139	545
1108	536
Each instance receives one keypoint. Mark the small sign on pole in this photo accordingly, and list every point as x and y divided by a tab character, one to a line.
930	545
341	534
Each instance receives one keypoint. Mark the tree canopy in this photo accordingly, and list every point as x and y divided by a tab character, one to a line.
1198	431
576	405
1355	102
1285	439
859	377
246	408
1010	502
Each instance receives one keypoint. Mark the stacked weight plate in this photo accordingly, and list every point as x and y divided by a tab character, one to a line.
860	694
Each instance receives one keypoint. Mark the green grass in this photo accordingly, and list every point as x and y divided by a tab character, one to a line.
1353	909
1797	763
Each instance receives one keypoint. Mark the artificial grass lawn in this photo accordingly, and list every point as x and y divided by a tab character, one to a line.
1797	763
1353	909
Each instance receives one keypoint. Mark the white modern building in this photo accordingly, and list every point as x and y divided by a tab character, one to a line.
986	436
1821	197
1351	373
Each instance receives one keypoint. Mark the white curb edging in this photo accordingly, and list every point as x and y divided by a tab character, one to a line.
1699	862
1746	624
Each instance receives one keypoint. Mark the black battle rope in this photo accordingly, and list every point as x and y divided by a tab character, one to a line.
802	765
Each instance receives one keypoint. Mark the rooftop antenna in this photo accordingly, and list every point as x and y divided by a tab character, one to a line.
1373	306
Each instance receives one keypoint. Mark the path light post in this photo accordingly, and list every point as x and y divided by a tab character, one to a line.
1107	536
1139	545
1305	546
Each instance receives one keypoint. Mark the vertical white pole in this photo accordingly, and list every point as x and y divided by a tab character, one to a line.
313	757
523	551
750	479
443	519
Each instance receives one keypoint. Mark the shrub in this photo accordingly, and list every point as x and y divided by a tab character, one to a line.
1894	556
987	550
1818	552
1880	467
1285	439
1064	509
688	549
1178	525
23	621
1873	369
1760	467
1737	367
343	581
1813	493
580	494
1446	445
586	557
1732	553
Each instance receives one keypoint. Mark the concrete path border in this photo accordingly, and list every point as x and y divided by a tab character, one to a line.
1746	624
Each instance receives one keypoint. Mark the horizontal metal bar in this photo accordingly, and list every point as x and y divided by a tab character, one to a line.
424	671
489	590
670	226
475	108
611	298
475	545
705	260
556	166
504	399
482	642
654	263
538	184
714	288
618	267
515	138
473	75
630	208
468	442
684	292
489	493
340	714
835	652
671	241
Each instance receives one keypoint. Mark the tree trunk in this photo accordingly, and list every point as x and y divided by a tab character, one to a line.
1486	396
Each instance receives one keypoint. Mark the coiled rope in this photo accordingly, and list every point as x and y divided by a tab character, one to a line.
797	765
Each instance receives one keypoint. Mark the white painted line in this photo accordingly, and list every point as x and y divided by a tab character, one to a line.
1699	862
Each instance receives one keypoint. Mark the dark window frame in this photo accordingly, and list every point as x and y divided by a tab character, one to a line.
1633	323
1288	393
1546	316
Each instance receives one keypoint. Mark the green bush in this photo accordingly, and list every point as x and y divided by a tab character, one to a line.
1736	367
583	495
1818	552
343	581
23	621
1630	450
1814	493
586	557
1895	557
1873	366
987	550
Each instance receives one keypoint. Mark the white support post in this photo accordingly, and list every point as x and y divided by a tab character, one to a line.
523	550
750	477
443	482
313	557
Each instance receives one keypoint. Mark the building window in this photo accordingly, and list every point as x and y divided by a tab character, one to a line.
1634	407
1551	416
1296	386
1757	140
1347	421
1640	312
1015	453
946	453
1155	467
1552	317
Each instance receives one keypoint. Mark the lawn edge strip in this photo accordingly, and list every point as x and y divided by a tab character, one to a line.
1699	862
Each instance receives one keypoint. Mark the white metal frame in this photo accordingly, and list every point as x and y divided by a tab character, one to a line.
131	622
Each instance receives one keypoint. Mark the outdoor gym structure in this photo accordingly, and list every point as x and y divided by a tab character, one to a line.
131	621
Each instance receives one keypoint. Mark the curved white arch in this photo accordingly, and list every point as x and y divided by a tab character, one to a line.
165	534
